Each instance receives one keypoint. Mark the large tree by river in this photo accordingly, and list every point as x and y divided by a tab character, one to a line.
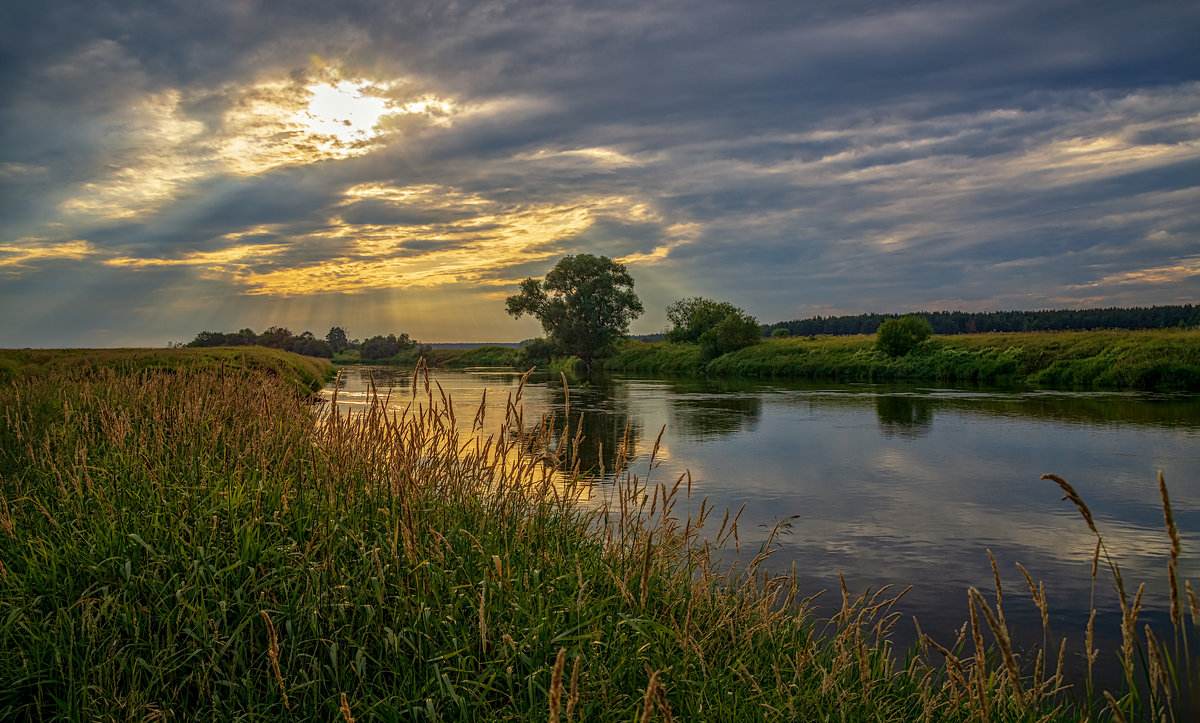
585	304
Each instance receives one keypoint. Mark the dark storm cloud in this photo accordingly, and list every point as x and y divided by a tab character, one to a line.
794	156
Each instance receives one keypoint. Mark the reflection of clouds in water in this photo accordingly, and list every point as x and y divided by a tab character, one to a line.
886	505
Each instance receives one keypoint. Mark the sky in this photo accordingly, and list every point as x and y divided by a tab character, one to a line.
172	166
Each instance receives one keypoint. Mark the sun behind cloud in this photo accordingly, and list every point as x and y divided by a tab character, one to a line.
345	111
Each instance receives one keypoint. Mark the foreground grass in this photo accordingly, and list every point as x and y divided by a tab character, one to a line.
202	543
1163	360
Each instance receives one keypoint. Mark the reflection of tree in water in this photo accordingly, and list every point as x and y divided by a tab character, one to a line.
705	416
706	408
384	377
904	415
601	419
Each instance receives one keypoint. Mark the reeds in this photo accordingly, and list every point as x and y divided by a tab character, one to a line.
408	561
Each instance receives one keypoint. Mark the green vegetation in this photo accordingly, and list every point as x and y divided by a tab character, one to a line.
1181	316
897	337
201	542
1150	360
480	356
335	345
276	337
585	304
718	327
300	373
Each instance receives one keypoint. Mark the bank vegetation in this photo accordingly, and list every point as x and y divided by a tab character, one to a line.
198	540
1145	360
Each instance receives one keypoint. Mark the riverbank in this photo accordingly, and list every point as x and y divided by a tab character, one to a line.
1143	360
198	543
305	374
480	356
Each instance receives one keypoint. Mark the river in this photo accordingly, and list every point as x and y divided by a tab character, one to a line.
900	485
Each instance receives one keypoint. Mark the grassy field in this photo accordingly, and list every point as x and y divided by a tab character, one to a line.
483	356
1162	360
197	540
303	373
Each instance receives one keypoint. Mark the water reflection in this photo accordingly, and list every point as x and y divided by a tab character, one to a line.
707	416
904	415
600	431
896	485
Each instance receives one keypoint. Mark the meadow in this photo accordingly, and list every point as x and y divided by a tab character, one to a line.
195	536
1147	360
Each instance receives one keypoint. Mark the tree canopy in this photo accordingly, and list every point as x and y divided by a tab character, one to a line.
897	337
718	327
962	322
585	304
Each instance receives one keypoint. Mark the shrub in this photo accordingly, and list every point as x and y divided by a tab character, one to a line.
897	337
735	331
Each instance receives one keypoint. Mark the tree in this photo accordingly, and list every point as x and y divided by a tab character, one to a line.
736	331
585	304
337	339
781	332
385	347
208	338
275	337
718	326
897	337
309	345
535	352
692	317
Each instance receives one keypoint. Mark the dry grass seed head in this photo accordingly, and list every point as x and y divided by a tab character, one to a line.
1073	496
1176	548
273	657
1000	632
556	685
573	694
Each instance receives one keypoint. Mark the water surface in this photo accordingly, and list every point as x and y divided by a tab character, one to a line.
899	485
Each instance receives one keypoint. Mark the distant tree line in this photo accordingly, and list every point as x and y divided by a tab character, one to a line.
961	322
336	341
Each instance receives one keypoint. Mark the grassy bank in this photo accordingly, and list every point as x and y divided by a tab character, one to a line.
482	356
303	373
204	544
1165	360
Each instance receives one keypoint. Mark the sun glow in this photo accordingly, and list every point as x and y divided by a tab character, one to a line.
344	111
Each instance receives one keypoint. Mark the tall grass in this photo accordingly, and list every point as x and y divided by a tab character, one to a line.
202	544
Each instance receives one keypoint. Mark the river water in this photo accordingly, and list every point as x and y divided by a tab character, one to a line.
900	485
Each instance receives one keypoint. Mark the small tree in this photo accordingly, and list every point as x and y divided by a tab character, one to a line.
275	337
897	337
585	304
337	339
690	318
385	347
535	352
735	331
718	326
781	332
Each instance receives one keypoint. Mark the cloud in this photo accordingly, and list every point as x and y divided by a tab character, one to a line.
793	157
